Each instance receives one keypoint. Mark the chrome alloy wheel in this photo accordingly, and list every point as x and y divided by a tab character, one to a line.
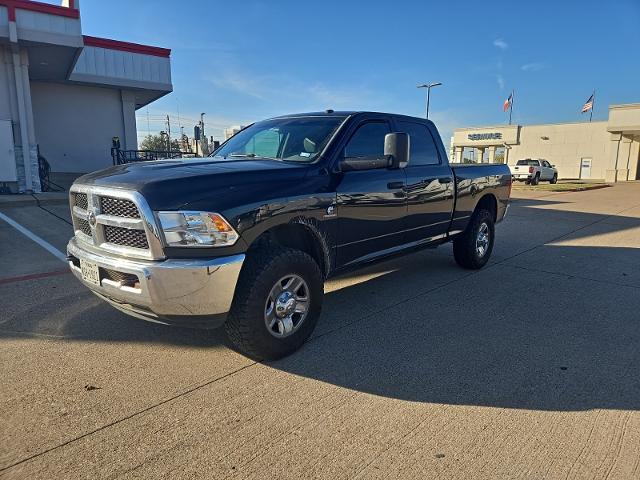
287	306
482	240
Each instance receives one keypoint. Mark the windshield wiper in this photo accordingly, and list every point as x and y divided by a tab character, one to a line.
249	155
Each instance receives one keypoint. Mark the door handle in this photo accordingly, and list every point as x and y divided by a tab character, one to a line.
395	185
445	180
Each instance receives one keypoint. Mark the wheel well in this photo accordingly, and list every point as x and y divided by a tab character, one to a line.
489	202
298	236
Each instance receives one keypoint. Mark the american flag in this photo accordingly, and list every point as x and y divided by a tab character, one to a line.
588	105
507	103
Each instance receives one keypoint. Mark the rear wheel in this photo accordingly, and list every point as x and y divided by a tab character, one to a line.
536	179
277	303
473	248
554	180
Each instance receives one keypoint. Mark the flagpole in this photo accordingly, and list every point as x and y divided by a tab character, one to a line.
593	104
511	106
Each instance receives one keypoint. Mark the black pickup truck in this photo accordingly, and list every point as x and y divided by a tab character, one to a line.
247	237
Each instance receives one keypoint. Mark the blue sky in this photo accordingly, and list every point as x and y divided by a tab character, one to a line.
244	61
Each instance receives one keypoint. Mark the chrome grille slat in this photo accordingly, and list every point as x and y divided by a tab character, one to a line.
118	207
126	237
83	226
81	201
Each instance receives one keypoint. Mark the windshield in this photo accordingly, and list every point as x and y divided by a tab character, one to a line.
295	139
533	163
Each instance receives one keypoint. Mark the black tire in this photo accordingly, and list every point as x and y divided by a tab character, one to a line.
465	246
246	325
554	180
527	182
536	179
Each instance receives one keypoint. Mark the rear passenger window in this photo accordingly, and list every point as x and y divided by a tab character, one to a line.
422	148
368	141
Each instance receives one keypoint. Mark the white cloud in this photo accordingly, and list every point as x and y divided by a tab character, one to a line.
285	90
532	67
500	43
500	80
245	84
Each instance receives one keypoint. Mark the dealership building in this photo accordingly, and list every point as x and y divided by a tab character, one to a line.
606	150
65	95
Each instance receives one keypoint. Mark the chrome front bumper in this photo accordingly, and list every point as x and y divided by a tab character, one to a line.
182	292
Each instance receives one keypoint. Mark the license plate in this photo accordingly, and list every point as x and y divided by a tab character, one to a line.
90	272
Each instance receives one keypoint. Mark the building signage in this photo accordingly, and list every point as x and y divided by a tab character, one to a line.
485	136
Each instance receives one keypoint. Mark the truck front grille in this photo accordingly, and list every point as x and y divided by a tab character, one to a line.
119	207
125	237
115	220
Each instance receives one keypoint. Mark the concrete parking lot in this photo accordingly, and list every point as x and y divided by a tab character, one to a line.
418	369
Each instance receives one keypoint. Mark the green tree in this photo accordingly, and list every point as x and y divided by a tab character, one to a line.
158	143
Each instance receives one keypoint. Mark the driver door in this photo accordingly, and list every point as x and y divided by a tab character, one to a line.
372	204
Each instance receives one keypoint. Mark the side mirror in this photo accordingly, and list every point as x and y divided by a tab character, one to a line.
397	146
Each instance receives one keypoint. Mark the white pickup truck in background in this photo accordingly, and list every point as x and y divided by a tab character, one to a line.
533	171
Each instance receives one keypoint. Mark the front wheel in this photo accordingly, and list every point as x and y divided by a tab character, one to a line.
277	303
473	248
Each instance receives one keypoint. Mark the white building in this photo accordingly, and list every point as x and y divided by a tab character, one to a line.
66	94
231	131
607	150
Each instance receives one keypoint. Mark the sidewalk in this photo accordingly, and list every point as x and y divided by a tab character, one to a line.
45	198
59	180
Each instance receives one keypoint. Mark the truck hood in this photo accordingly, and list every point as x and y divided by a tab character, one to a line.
172	184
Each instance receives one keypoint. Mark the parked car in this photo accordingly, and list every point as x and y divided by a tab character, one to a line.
533	171
247	237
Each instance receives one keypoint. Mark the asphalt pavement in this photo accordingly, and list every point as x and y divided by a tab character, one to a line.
527	369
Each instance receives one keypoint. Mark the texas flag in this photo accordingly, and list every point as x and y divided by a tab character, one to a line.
507	103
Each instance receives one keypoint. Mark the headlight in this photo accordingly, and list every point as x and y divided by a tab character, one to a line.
196	229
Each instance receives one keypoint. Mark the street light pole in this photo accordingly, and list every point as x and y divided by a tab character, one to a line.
429	86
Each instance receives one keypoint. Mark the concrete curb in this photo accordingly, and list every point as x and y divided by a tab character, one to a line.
50	198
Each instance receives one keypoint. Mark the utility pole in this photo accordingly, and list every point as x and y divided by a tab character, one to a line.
429	86
168	134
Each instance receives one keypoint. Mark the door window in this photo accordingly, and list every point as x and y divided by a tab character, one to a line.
422	148
368	141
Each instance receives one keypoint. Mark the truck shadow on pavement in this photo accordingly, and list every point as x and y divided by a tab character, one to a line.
552	323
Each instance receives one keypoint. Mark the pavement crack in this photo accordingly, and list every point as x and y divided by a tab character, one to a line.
581	277
128	417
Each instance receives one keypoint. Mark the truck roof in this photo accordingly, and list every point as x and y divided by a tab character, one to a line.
346	113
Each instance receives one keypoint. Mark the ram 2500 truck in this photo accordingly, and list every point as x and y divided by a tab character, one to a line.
246	237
